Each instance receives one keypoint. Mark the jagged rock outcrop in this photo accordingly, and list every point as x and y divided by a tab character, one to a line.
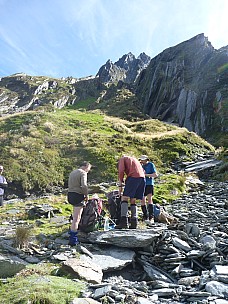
126	69
21	92
187	84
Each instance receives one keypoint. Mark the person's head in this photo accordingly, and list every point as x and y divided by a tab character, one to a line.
1	168
86	166
143	159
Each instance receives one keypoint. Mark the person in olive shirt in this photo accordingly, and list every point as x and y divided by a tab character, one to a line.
3	185
77	196
130	168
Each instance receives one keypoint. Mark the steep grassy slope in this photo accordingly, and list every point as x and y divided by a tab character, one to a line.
39	148
21	92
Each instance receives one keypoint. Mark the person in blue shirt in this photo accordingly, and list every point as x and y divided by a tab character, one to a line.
147	201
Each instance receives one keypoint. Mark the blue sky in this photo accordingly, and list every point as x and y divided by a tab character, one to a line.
61	38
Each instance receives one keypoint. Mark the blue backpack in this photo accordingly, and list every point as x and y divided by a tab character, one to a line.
157	211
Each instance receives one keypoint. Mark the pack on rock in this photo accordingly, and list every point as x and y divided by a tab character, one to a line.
91	218
114	205
162	216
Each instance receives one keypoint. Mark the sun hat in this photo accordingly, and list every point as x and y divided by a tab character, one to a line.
143	157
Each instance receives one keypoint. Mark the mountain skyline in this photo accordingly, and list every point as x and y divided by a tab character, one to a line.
59	38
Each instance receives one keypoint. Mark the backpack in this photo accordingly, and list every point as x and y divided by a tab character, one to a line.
91	215
157	211
161	216
114	205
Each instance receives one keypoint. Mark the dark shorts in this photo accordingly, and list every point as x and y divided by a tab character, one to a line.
134	187
76	199
149	190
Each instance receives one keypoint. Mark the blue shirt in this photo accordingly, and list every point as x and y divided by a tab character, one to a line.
149	168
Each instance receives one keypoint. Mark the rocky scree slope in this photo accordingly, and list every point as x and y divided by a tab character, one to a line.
184	262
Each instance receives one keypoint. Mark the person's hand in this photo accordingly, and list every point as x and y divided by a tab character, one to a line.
120	190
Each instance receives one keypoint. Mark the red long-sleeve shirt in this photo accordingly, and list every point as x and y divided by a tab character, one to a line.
130	166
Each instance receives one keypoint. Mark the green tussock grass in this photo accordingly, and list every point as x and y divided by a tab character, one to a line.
40	148
39	289
168	188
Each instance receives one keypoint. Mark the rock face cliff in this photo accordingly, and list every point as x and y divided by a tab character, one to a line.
126	69
187	84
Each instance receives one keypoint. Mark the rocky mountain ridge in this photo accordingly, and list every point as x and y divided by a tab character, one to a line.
185	85
126	69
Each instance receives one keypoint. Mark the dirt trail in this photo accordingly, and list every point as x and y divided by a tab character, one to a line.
162	134
177	130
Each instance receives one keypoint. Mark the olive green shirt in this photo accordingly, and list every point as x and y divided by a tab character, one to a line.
77	182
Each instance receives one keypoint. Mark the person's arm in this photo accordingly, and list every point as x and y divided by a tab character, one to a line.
121	170
152	174
84	185
120	185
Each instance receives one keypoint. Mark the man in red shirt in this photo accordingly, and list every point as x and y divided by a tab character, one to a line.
134	188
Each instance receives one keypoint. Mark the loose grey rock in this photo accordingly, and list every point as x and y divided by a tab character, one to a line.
113	258
83	270
181	244
217	289
9	266
84	301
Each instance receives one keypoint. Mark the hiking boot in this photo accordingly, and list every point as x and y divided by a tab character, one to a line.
73	239
134	223
123	224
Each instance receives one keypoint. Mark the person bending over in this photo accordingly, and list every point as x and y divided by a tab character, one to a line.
130	168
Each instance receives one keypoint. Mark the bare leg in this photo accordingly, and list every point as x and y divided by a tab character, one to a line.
149	198
77	212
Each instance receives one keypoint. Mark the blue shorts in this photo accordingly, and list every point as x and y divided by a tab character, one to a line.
134	187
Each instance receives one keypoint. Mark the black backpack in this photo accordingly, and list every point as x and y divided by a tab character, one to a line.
91	215
114	205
